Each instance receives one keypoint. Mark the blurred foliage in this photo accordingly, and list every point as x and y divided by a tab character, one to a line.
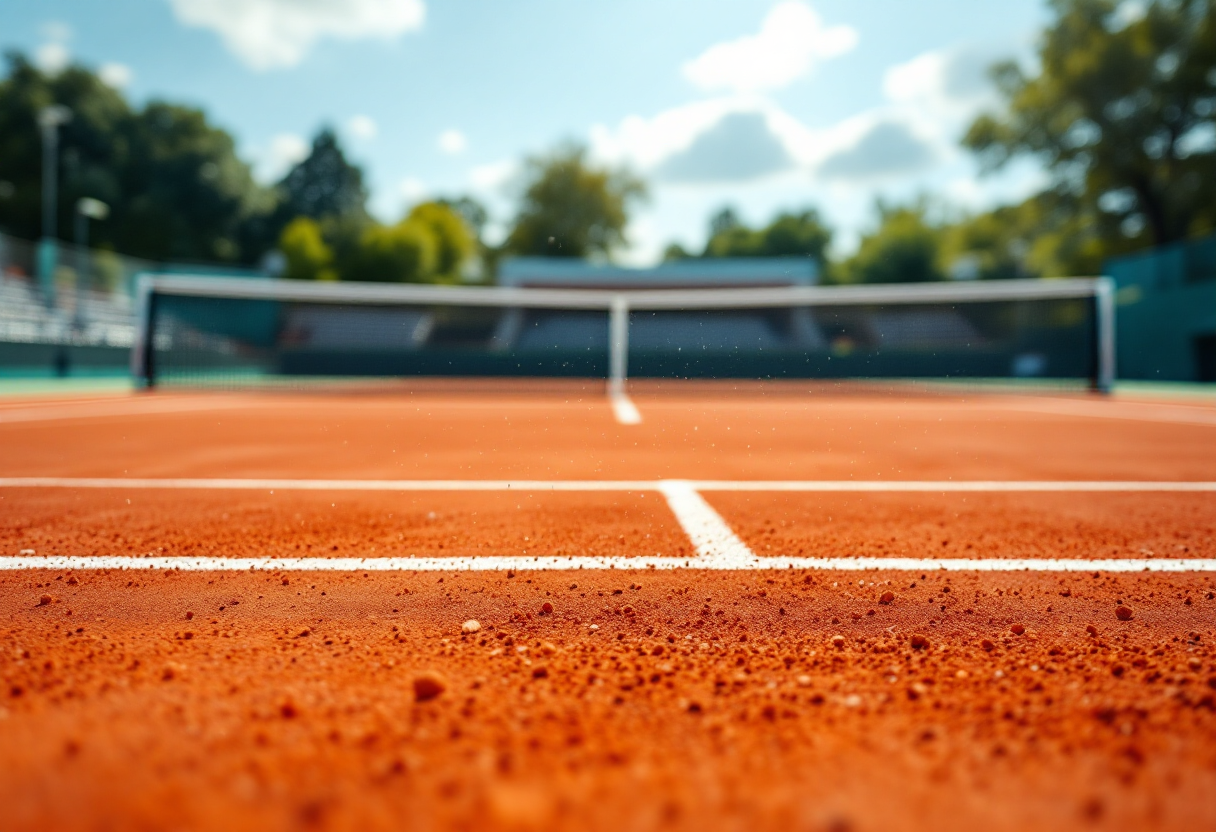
1123	114
432	244
324	184
174	184
403	253
570	208
1048	235
455	243
304	249
675	251
905	248
801	234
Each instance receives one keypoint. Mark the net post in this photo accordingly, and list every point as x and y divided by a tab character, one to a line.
1104	304
618	344
141	346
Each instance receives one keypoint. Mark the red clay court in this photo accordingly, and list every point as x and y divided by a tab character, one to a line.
765	606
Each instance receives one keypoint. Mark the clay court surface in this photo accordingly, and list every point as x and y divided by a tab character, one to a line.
244	610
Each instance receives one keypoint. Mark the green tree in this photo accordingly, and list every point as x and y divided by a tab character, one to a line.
185	193
905	248
455	243
571	208
401	253
790	234
174	184
801	234
471	211
88	150
1048	235
324	184
675	251
1122	111
307	255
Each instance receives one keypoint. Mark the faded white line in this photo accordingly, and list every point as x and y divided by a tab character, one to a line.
263	484
498	564
1126	411
132	407
623	408
710	535
329	485
966	486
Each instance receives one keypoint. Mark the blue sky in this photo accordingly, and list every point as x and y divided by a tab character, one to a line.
763	106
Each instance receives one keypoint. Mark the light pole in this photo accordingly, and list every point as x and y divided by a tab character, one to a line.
87	209
50	119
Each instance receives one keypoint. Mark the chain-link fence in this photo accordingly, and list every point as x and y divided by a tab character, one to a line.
79	322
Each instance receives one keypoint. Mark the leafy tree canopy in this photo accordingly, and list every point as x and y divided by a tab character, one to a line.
1048	235
1122	111
455	243
324	184
432	244
905	248
401	253
307	255
790	234
174	184
571	208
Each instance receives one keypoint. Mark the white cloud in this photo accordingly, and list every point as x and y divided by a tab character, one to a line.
271	34
948	84
791	40
453	142
52	58
362	127
115	75
650	144
56	30
493	176
890	147
285	150
413	190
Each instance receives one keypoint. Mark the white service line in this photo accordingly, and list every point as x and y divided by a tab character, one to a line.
498	564
916	486
623	408
1126	411
100	410
328	485
966	486
710	535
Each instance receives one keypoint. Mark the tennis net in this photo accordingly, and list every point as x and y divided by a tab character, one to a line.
205	331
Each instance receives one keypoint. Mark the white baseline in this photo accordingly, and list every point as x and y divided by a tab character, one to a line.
262	484
498	564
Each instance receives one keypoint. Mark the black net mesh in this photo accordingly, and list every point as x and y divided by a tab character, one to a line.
232	341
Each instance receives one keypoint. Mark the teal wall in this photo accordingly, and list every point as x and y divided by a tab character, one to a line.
1166	312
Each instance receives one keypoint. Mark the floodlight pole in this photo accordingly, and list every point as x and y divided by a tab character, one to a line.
86	208
49	121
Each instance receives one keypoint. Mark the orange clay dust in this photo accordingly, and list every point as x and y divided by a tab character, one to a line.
643	700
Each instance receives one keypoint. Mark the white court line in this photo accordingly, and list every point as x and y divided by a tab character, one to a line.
1127	411
498	564
623	408
99	410
916	486
710	535
329	485
966	486
716	544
